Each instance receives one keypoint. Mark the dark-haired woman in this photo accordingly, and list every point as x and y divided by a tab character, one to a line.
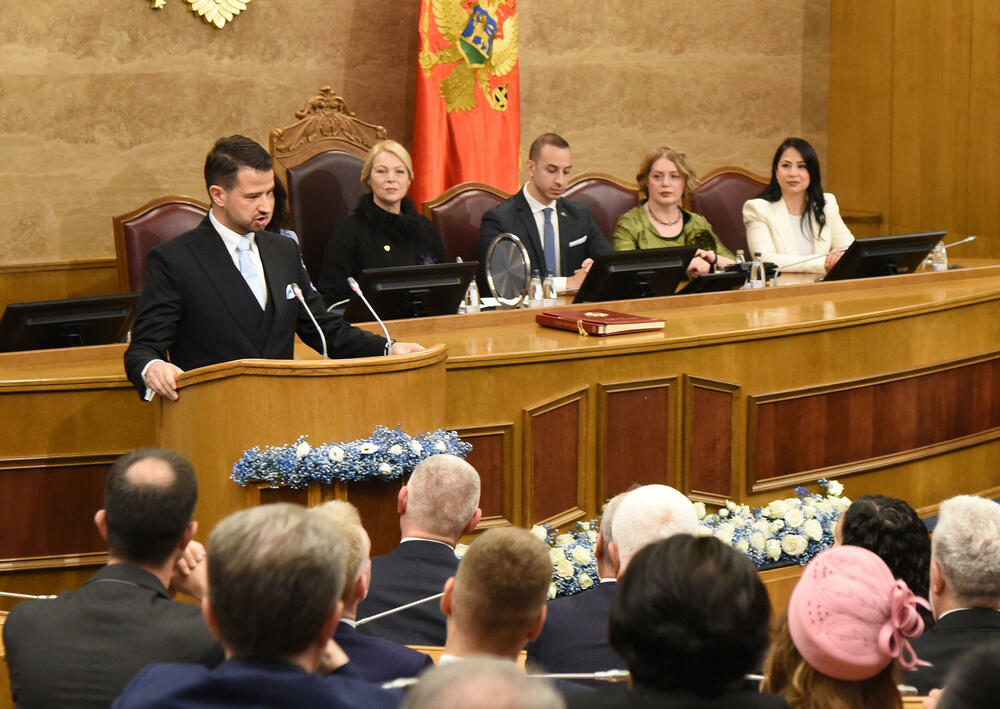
793	218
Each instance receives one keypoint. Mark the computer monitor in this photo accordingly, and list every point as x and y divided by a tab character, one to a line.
623	275
411	291
884	255
74	322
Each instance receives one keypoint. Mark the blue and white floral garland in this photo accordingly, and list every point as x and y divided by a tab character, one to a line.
388	454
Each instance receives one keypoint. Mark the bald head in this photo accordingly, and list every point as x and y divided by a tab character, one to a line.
649	514
440	499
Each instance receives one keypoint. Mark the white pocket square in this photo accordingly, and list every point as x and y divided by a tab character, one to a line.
581	240
289	292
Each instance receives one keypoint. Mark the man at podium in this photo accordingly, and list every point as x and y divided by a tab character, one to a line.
228	289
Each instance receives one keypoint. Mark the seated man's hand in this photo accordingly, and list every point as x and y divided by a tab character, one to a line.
576	280
406	347
190	574
832	258
161	377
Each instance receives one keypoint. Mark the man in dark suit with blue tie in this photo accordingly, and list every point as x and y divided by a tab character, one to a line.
225	290
560	235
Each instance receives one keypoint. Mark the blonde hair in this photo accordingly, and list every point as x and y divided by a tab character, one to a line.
384	146
678	159
348	522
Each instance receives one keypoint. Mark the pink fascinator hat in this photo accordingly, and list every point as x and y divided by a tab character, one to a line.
849	618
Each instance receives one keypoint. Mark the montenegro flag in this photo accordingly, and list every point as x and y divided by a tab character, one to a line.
467	125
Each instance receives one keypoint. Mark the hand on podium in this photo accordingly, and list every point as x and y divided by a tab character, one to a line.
406	347
161	377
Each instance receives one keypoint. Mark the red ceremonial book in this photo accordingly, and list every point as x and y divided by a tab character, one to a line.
598	321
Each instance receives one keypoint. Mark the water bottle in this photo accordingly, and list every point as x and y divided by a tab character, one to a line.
739	256
756	271
549	291
535	295
471	301
939	257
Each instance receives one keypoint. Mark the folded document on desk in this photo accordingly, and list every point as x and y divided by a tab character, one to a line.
598	321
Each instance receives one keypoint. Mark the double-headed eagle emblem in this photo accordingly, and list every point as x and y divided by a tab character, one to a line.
476	51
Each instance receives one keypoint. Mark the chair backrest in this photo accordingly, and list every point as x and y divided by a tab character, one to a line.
319	159
606	197
456	215
720	199
150	225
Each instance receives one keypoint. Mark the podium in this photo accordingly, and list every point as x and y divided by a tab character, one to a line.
227	408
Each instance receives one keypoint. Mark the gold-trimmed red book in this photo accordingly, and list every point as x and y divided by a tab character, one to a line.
598	321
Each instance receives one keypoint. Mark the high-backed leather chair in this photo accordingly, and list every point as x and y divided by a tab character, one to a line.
606	197
720	199
150	225
319	159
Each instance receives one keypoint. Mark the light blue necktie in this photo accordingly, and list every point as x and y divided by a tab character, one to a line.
250	271
549	243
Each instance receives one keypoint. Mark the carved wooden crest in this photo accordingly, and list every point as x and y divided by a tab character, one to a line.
326	117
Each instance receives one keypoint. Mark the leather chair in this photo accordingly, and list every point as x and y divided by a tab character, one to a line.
150	225
319	159
720	199
606	197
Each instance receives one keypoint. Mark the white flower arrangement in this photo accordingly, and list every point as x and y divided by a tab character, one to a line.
574	567
388	454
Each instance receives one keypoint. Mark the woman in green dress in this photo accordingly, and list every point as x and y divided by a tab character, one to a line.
664	180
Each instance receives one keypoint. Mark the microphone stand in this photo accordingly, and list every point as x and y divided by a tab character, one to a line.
389	342
298	294
393	611
777	272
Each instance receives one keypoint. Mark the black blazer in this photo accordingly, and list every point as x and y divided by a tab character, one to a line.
579	235
83	647
197	309
949	637
413	570
377	659
643	697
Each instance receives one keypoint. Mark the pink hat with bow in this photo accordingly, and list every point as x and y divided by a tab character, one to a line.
849	617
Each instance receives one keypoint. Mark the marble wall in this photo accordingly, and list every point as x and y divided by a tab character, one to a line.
105	105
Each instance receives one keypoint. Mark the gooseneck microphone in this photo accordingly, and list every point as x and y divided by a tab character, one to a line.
779	271
389	342
298	294
397	609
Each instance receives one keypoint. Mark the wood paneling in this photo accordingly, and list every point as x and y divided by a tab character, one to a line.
376	501
60	279
491	457
554	445
709	434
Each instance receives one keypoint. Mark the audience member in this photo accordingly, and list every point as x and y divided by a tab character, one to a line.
973	682
276	574
560	235
439	504
691	619
648	514
848	622
665	179
378	659
82	648
481	683
495	603
964	585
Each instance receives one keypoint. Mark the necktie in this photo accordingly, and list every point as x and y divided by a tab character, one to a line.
250	271
549	243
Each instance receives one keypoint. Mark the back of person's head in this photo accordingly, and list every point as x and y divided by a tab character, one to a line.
275	574
501	585
385	146
648	514
228	155
691	613
481	683
442	495
608	517
357	545
149	497
973	682
679	160
892	529
556	141
279	217
966	545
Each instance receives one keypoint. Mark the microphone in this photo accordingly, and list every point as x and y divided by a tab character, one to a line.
807	260
298	294
603	675
9	594
389	342
963	241
397	609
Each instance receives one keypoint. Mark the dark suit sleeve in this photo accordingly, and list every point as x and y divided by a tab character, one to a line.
489	228
597	243
339	258
155	327
342	339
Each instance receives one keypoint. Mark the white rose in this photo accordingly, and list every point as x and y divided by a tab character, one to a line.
723	512
396	449
582	555
776	508
564	540
699	509
705	531
592	536
552	591
564	569
724	533
556	555
336	454
367	448
773	549
808	511
440	446
777	525
843	503
385	469
416	447
585	581
757	540
584	526
743	545
763	526
738	521
834	488
302	450
813	529
539	531
824	506
794	544
794	518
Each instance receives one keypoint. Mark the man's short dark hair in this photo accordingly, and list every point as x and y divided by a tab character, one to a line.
146	521
691	613
228	155
535	151
892	529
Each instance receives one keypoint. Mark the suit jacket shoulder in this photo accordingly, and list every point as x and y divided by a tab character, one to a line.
377	659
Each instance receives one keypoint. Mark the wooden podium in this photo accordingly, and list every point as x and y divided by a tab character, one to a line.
226	408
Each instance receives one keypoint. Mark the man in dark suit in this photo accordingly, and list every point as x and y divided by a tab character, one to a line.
439	504
82	648
277	573
224	290
560	235
377	659
965	588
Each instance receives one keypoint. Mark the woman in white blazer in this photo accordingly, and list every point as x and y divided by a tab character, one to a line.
793	219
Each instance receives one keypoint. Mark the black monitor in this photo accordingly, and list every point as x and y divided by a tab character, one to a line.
884	255
74	322
623	275
411	291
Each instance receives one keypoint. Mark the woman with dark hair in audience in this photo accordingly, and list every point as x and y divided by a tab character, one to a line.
280	220
690	620
793	218
847	625
973	682
384	230
665	179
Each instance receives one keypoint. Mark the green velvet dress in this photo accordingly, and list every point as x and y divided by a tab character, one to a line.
634	230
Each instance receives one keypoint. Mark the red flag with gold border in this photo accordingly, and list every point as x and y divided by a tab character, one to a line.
467	123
